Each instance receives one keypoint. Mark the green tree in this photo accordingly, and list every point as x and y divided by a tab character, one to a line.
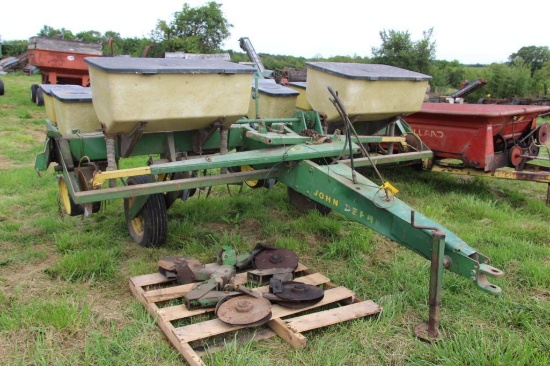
50	32
447	75
14	48
541	80
533	56
195	30
114	44
507	81
90	36
398	49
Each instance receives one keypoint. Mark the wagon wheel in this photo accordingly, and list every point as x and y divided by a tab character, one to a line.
514	157
543	133
304	204
150	225
39	97
1	87
34	88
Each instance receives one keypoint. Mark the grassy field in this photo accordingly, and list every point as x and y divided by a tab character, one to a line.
64	296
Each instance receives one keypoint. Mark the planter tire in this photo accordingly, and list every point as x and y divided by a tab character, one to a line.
150	226
34	88
39	97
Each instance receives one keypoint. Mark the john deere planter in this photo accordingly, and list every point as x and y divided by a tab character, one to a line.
200	115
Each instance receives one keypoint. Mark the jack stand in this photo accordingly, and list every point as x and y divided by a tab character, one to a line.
430	331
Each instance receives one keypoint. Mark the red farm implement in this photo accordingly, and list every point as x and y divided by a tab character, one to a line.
60	61
496	140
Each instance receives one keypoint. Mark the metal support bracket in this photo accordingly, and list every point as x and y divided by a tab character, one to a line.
170	152
129	141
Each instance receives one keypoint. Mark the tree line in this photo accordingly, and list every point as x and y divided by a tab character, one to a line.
203	29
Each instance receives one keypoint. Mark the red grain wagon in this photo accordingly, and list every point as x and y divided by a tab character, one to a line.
60	61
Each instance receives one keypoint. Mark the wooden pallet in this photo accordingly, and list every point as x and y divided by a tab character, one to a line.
160	297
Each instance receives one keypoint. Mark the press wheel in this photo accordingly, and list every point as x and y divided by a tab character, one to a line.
150	225
252	183
71	208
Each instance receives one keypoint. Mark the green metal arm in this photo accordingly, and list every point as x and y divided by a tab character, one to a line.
366	202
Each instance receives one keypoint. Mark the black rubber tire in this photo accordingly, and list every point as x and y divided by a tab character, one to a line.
499	143
1	87
150	226
39	97
34	88
96	206
304	204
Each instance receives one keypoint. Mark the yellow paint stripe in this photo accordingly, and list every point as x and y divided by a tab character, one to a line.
100	177
393	139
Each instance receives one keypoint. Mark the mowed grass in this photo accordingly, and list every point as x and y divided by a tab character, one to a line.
64	296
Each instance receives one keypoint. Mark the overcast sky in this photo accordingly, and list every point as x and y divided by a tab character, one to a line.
464	30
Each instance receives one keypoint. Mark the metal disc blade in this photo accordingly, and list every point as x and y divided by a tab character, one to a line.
244	310
259	322
298	304
299	292
276	258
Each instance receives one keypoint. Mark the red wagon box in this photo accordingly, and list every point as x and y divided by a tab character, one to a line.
61	61
482	136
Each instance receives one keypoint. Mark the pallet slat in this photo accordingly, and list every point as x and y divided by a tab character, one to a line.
167	328
215	327
295	339
285	322
333	316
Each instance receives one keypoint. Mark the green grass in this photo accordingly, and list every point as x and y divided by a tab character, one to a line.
64	297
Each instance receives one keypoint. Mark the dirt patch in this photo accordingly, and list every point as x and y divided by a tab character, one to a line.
28	280
6	107
5	163
22	283
38	135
